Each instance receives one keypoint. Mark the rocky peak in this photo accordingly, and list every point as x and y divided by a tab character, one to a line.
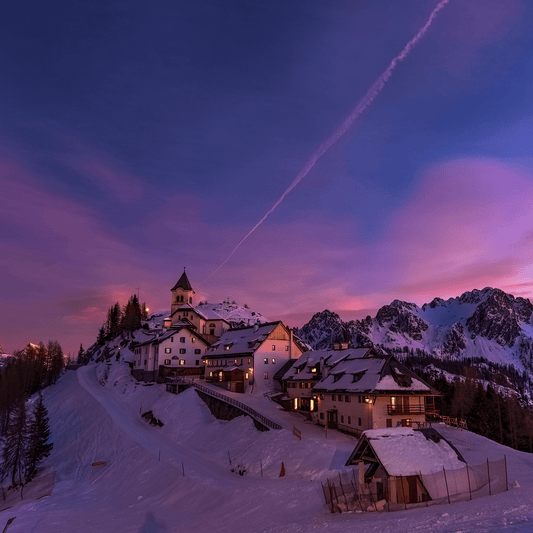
324	329
400	318
434	303
498	317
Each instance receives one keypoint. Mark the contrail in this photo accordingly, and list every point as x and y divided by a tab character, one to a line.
367	99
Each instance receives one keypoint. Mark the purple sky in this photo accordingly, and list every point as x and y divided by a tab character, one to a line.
136	139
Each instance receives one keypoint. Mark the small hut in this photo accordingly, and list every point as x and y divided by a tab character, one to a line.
391	462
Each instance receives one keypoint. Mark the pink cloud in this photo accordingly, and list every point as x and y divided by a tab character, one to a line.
466	225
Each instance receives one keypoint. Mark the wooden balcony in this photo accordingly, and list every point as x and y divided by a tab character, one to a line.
411	410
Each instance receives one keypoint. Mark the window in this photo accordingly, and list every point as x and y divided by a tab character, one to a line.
321	416
273	361
301	385
226	347
265	360
193	339
265	375
175	357
167	361
347	398
183	350
273	347
340	397
172	339
249	361
168	350
182	361
197	351
287	348
333	397
182	339
389	422
145	361
349	420
359	421
360	400
197	362
342	419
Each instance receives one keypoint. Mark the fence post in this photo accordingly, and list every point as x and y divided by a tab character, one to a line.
468	475
343	493
488	472
506	480
446	480
336	498
331	497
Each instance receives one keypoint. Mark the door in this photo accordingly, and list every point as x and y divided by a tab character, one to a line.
332	419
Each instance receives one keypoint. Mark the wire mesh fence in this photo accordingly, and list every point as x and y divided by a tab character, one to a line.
347	493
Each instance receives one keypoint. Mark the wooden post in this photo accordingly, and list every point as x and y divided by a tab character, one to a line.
337	499
446	480
343	493
468	475
506	480
183	468
331	497
488	472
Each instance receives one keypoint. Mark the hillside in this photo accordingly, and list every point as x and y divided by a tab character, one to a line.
95	417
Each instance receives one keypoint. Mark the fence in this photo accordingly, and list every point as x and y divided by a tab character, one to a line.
244	408
446	486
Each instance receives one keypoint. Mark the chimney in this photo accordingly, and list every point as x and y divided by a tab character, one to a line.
290	343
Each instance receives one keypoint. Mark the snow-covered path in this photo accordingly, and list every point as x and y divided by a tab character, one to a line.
135	492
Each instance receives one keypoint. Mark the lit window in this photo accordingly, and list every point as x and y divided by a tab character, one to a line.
249	361
265	360
167	361
193	339
183	350
265	375
168	350
287	348
273	347
182	361
273	361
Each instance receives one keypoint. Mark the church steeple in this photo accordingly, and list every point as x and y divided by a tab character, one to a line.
182	293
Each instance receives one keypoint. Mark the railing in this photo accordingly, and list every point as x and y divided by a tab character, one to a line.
350	431
248	410
411	410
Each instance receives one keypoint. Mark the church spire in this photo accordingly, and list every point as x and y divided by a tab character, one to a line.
183	283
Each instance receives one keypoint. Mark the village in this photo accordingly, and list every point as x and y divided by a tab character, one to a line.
399	458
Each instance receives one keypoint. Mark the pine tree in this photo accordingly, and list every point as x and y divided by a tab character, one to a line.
15	445
100	340
38	435
81	354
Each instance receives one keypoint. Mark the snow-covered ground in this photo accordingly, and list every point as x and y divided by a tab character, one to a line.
95	416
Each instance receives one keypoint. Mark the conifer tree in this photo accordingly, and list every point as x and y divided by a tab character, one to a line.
81	354
39	433
15	445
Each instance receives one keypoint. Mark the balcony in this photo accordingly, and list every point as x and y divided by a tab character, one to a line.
412	410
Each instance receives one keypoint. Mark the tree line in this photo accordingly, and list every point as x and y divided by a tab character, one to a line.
120	320
24	436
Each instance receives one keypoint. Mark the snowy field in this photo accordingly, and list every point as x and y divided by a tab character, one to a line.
95	416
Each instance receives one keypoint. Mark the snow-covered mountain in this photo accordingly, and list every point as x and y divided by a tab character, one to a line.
488	324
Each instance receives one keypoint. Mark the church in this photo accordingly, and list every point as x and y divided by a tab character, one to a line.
197	342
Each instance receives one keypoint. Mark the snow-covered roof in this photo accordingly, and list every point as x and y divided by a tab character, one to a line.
364	371
241	341
407	451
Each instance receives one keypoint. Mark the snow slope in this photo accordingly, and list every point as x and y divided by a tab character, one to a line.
95	416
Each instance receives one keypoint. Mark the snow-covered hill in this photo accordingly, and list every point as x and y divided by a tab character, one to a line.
178	477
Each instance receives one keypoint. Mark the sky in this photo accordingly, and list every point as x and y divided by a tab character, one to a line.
140	138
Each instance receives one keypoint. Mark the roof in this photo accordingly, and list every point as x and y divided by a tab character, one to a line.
407	451
183	283
158	339
370	373
241	341
209	314
281	372
303	368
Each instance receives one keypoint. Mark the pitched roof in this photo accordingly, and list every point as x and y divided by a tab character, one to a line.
241	340
183	283
407	451
209	314
363	371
